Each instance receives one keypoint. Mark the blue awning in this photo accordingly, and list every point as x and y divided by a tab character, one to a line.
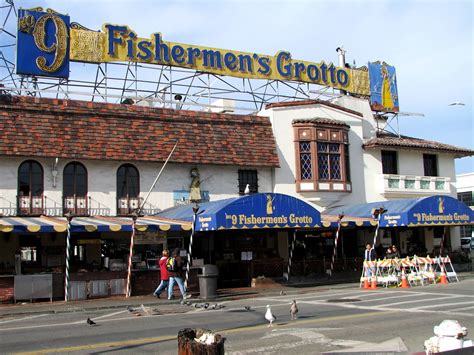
46	224
425	211
256	211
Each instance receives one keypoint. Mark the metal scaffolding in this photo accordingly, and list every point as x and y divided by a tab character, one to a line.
148	85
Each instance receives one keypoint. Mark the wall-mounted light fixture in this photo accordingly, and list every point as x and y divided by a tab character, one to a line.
54	171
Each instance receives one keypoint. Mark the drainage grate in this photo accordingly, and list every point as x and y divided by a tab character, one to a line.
342	300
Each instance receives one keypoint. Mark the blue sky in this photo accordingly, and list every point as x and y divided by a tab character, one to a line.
429	42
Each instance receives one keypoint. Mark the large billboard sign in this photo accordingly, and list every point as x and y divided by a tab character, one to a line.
47	42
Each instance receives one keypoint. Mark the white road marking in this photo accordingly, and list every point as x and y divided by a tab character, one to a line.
445	304
104	316
422	300
20	319
461	309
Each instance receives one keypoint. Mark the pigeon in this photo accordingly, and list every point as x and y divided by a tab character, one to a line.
91	322
145	310
197	305
130	309
187	303
269	316
282	293
206	305
293	310
248	308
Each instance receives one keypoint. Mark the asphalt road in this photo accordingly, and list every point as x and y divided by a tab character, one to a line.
340	319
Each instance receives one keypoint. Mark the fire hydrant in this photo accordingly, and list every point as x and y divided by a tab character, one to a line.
449	335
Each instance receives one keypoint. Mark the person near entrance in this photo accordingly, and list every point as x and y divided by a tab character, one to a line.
370	255
175	271
164	276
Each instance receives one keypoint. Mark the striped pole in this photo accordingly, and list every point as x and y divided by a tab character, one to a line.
341	216
68	247
190	249
128	291
291	255
378	214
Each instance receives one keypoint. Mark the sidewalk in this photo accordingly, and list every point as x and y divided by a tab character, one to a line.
294	287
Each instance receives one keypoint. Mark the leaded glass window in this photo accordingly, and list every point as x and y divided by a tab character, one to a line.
305	161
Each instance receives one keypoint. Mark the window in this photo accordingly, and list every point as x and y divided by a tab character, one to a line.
30	179
75	189
430	163
30	188
127	181
466	197
322	156
389	162
128	189
249	177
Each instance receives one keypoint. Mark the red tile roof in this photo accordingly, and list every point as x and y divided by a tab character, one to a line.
38	127
312	102
321	120
404	142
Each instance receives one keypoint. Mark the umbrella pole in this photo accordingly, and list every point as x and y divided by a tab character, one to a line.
190	250
128	291
68	246
335	242
291	255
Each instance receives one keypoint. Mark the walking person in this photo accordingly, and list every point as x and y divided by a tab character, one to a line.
164	276
175	271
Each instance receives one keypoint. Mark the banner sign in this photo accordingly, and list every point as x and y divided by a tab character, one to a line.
258	211
47	41
383	87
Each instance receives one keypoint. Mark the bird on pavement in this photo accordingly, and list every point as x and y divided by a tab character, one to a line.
90	321
248	308
130	309
205	305
269	316
282	293
293	310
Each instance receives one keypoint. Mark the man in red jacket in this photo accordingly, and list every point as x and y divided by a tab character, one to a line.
163	274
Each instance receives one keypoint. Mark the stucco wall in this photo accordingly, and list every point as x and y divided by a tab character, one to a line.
220	181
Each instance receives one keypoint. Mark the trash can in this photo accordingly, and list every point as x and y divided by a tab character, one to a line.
200	342
208	282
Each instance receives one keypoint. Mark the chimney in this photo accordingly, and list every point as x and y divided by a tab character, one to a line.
341	53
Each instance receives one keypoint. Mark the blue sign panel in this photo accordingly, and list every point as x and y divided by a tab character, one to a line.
256	211
383	87
43	44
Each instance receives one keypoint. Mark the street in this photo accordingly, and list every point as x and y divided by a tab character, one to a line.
329	319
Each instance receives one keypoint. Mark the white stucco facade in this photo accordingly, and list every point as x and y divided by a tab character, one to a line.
220	181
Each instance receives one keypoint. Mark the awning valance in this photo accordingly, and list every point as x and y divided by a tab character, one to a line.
46	224
426	211
255	211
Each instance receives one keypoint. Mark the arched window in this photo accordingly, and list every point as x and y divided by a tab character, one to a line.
128	189
30	188
75	189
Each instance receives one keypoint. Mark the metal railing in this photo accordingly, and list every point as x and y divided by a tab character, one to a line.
30	205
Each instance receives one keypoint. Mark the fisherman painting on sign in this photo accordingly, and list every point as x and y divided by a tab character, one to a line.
195	188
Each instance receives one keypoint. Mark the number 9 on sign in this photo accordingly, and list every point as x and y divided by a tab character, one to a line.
58	47
43	43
